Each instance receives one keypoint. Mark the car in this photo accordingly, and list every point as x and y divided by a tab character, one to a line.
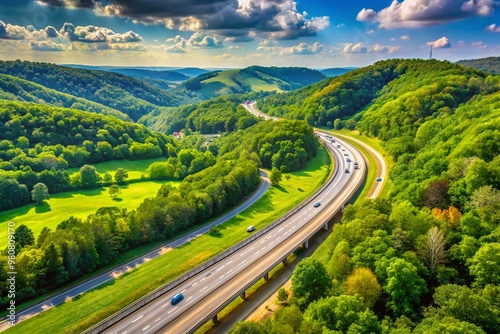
251	229
339	146
317	204
347	170
176	299
379	179
348	160
346	154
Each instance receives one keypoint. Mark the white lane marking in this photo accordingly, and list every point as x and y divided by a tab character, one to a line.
222	277
243	262
263	248
183	291
229	271
230	262
203	289
189	298
202	279
257	253
165	304
194	284
280	229
145	328
172	310
138	318
157	320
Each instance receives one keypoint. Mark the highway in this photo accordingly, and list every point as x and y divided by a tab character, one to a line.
216	286
117	271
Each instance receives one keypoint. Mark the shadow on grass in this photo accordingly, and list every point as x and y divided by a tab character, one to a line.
42	207
118	199
280	188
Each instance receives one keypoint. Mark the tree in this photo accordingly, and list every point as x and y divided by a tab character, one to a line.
248	327
404	285
89	176
24	236
39	193
310	282
275	176
114	191
485	265
121	175
432	248
446	325
364	283
282	295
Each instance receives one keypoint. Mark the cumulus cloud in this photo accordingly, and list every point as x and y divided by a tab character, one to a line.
45	46
9	31
198	40
278	19
479	45
418	13
493	28
300	49
405	38
363	48
93	34
442	43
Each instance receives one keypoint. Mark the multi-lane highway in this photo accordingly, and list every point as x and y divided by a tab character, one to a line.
214	287
117	271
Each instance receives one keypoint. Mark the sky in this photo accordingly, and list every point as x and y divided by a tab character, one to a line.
239	33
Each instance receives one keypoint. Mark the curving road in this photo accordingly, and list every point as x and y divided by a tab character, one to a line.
113	273
217	285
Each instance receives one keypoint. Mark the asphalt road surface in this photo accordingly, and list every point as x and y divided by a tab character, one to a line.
211	288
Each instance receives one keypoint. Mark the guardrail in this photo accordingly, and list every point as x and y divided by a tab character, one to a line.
281	259
120	315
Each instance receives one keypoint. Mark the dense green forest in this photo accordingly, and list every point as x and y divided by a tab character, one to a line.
127	94
489	64
218	115
217	182
427	258
39	142
15	89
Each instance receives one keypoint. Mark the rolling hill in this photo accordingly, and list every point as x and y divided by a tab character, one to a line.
336	71
251	79
489	64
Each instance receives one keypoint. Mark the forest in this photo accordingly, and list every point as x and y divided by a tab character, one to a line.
489	64
426	259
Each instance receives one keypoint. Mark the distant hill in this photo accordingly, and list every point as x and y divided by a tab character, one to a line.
252	79
490	64
15	89
191	71
336	71
129	95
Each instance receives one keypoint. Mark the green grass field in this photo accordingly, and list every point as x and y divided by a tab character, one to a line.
135	168
79	204
223	80
76	315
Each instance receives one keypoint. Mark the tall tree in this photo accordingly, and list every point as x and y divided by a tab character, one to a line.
89	176
432	248
310	282
405	286
24	236
364	283
121	175
275	176
40	193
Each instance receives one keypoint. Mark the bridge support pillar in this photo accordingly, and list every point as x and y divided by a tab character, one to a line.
306	244
285	261
326	226
215	319
266	276
243	295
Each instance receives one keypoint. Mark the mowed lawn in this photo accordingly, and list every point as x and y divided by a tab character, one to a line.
135	168
76	315
79	204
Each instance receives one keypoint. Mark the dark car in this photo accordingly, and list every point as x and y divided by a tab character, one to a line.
251	229
316	204
347	170
177	298
379	179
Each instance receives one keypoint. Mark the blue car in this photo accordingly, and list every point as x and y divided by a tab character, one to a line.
379	179
317	204
177	298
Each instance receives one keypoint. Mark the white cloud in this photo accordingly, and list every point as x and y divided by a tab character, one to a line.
45	46
442	43
376	48
300	49
418	13
198	40
479	45
405	38
493	28
94	34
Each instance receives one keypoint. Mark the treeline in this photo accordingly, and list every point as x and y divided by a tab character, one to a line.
126	94
15	89
222	114
78	247
38	143
286	78
488	64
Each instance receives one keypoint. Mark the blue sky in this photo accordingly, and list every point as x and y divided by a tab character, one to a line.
238	33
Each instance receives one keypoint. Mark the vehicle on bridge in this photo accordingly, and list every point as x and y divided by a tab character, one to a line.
176	299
